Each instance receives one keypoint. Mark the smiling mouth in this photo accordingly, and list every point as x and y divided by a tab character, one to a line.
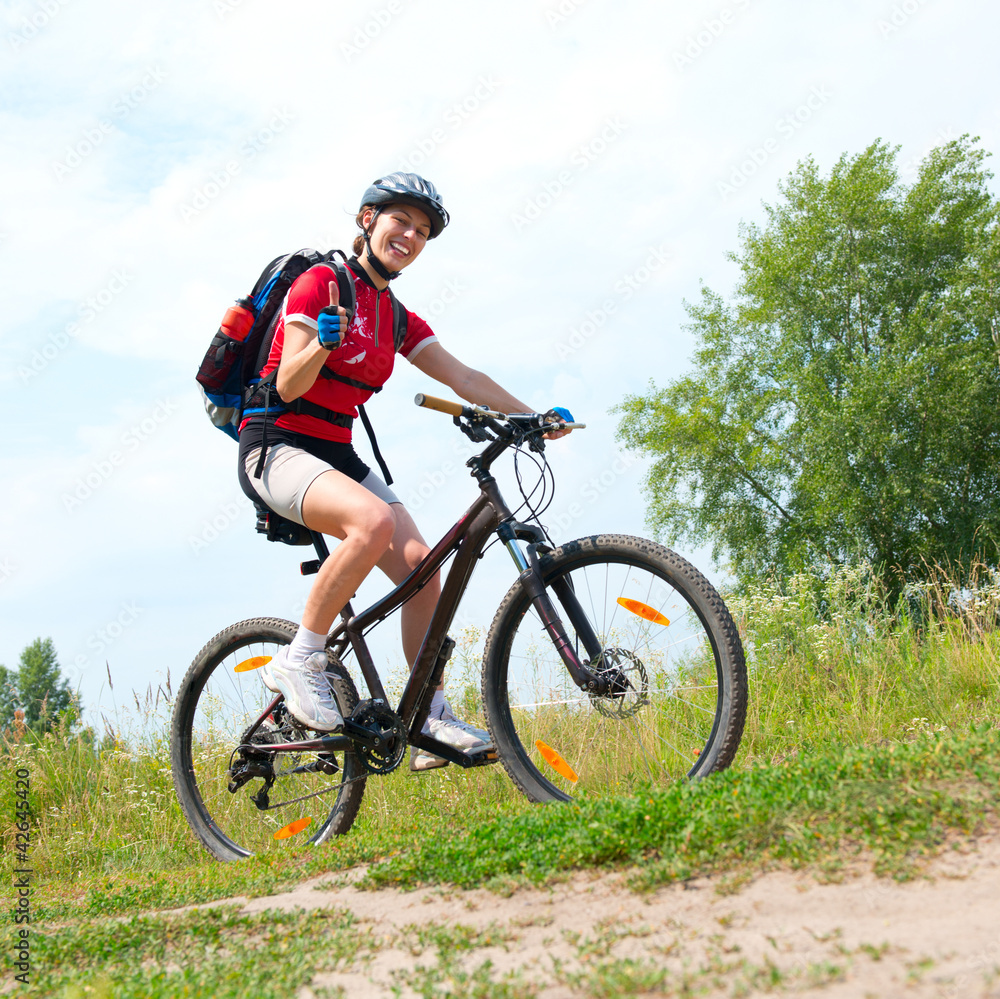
399	248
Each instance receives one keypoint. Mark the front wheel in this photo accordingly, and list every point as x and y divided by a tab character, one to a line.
659	633
242	802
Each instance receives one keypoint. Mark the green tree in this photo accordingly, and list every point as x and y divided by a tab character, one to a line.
8	696
36	687
844	403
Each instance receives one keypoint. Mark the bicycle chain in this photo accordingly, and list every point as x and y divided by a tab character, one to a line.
374	761
316	794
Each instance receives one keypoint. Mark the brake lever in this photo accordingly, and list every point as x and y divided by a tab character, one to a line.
474	431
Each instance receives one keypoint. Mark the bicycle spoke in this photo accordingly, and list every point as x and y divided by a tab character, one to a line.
660	717
244	801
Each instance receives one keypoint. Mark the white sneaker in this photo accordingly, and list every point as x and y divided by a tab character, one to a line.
448	729
420	759
448	719
306	690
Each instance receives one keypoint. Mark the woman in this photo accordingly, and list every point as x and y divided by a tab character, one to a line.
311	473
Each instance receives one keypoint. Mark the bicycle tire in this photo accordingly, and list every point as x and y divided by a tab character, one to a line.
215	705
680	709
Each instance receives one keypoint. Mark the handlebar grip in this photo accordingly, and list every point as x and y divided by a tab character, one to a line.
441	405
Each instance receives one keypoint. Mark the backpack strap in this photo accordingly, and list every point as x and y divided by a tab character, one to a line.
398	322
261	403
261	394
325	372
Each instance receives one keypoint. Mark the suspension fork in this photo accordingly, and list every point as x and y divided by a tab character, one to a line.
530	577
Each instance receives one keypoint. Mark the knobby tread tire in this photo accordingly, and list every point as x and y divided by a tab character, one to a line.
263	629
702	597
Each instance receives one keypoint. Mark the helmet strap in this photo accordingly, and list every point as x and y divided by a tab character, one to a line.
377	266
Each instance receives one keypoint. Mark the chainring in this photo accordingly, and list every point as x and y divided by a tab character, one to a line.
385	758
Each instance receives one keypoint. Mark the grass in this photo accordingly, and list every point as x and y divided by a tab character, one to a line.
872	734
894	803
214	952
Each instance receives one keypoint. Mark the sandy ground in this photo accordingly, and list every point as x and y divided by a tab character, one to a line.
784	932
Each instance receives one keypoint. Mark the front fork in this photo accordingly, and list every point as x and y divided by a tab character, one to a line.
530	577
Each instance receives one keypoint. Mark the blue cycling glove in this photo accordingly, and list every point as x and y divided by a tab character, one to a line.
559	413
331	327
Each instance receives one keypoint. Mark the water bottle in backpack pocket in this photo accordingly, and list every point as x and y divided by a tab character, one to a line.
219	374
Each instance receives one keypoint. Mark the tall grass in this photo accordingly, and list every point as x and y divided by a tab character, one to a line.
830	661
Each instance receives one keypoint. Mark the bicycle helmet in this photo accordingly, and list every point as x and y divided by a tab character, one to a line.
408	189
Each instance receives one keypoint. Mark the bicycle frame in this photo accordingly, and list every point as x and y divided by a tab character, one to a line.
466	539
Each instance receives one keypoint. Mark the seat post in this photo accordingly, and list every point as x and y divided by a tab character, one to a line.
319	543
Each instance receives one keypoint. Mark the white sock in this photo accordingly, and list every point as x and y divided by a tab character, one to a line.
304	644
437	704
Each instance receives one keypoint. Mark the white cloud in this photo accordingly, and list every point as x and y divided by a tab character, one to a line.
267	125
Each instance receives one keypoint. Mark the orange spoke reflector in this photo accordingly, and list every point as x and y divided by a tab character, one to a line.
643	610
554	760
249	664
293	827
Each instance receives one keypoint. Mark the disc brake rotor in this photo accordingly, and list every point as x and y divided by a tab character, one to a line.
628	683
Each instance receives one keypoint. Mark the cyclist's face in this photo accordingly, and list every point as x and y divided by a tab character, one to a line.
399	235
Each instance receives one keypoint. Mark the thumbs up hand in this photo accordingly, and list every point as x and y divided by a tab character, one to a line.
332	321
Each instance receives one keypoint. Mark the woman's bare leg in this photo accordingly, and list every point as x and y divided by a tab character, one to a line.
337	505
403	555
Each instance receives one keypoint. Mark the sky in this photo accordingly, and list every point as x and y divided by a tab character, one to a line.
597	159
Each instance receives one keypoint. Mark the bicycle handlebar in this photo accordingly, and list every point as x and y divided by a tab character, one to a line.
457	409
451	408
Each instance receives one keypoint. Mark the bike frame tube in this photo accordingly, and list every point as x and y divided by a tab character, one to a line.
466	538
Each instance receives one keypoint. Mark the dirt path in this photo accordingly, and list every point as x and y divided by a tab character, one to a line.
784	932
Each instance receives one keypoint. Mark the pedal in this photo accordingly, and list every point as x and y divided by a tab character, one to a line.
484	758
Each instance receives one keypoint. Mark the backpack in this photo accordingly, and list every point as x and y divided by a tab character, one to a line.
229	375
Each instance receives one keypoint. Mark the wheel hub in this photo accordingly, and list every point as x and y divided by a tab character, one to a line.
626	680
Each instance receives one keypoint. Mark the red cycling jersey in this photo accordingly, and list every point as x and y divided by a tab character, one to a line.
366	355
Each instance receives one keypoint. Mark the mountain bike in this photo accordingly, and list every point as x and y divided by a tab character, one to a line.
612	664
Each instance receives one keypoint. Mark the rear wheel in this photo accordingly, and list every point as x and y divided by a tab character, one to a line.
242	803
662	636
